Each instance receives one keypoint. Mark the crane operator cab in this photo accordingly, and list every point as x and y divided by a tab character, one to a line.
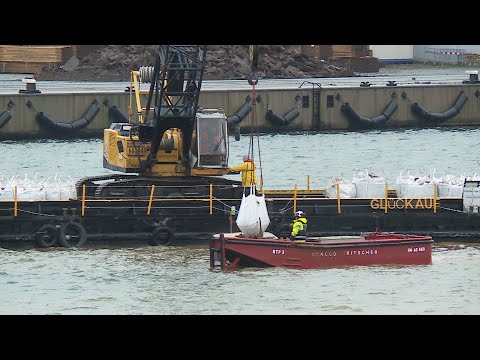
209	141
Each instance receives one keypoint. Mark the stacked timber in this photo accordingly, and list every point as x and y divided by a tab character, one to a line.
352	57
349	51
32	59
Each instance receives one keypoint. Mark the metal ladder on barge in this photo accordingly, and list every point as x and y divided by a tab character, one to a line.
218	260
217	253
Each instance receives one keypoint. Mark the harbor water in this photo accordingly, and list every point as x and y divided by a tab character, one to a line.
177	280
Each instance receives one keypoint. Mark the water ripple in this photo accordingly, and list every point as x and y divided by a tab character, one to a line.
177	280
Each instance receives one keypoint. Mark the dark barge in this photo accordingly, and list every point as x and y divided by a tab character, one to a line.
174	219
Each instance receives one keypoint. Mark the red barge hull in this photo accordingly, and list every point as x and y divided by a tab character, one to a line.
233	250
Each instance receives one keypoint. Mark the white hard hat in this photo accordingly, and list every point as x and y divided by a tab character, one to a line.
299	213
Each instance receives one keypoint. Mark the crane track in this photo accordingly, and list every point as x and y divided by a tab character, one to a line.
121	186
91	187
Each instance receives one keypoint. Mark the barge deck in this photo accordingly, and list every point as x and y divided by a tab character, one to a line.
192	219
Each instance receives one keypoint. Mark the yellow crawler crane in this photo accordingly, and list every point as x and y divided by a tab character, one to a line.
180	139
170	141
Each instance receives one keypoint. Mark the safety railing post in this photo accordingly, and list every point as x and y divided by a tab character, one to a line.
386	197
84	191
295	199
211	198
15	202
150	200
339	208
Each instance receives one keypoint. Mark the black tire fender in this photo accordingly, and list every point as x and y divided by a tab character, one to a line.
162	236
47	236
79	233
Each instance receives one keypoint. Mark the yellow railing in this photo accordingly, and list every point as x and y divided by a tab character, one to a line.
389	201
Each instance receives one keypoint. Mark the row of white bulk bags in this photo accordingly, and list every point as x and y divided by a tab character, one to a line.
23	193
35	190
452	186
364	184
423	186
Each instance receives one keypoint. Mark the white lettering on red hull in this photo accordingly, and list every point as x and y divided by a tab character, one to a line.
324	253
416	249
362	252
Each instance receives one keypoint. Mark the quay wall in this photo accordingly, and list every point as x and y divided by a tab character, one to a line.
319	108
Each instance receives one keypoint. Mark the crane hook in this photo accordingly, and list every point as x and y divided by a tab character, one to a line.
253	56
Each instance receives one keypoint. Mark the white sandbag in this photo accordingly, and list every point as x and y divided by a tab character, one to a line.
423	187
23	194
369	185
68	190
445	190
36	192
6	193
402	181
253	217
345	188
450	186
53	191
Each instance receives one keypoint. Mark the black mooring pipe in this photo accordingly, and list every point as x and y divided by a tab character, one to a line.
241	114
114	114
5	118
347	109
284	120
439	117
81	123
6	115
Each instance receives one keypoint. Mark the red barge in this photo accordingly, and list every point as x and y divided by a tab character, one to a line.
233	250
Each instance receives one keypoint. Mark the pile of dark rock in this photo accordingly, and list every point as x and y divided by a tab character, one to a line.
115	62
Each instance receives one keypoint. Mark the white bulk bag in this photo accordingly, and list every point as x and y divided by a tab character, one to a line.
345	187
423	187
253	217
450	186
53	191
6	193
67	190
23	193
37	192
369	185
403	180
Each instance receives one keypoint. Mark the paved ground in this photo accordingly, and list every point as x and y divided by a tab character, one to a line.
406	74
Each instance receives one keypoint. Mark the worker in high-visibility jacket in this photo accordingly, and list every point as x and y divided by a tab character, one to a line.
247	168
299	227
